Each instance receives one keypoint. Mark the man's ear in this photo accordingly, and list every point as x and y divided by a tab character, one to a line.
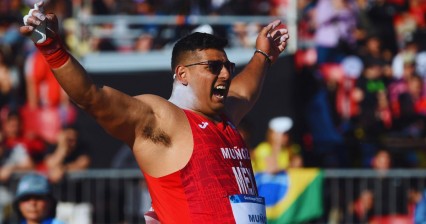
181	75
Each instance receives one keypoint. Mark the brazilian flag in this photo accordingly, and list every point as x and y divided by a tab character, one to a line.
292	196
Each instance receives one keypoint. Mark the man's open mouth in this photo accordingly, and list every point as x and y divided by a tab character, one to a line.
219	91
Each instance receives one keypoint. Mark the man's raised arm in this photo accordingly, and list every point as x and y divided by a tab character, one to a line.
109	107
247	85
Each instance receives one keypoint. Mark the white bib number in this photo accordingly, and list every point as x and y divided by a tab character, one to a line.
248	208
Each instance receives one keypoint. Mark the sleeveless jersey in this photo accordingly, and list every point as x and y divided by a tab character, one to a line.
219	167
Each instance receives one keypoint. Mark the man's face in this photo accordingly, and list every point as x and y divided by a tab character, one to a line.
209	78
71	137
12	127
34	208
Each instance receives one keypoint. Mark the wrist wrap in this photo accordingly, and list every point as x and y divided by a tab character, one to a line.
54	52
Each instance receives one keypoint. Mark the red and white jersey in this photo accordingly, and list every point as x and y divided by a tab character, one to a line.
219	167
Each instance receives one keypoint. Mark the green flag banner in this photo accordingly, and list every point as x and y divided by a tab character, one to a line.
292	196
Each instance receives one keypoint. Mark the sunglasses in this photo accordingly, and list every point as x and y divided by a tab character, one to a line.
216	66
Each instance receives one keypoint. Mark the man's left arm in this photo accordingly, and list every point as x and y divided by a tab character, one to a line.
247	85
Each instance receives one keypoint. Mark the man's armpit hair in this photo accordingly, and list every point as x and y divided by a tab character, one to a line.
156	136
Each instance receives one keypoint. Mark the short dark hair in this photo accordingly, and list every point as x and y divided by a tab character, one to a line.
196	41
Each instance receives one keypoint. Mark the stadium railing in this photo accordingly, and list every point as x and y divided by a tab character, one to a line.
118	196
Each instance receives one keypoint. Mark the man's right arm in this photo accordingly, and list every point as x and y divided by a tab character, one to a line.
113	110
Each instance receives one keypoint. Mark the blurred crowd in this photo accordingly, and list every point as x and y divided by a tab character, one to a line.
360	82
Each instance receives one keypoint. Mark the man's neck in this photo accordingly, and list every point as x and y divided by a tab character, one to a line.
183	97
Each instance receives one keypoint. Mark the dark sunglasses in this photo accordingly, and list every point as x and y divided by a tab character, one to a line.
216	66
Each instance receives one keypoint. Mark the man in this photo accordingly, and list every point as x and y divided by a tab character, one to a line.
34	202
69	155
277	152
195	163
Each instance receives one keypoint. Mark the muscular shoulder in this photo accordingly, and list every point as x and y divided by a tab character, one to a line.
163	141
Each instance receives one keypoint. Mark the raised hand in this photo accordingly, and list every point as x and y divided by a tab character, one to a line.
37	18
272	40
38	25
43	30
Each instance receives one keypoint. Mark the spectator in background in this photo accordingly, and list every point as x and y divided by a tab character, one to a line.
373	103
335	29
418	198
69	154
403	67
152	36
364	23
411	22
10	81
373	203
411	106
48	107
381	14
13	160
279	7
99	44
10	18
14	153
276	153
243	35
14	136
306	23
325	140
5	80
76	37
34	202
383	185
361	210
144	43
105	7
372	49
382	161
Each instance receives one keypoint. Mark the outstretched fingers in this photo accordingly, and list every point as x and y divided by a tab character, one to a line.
279	32
276	33
34	18
266	31
282	46
39	6
272	39
280	37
